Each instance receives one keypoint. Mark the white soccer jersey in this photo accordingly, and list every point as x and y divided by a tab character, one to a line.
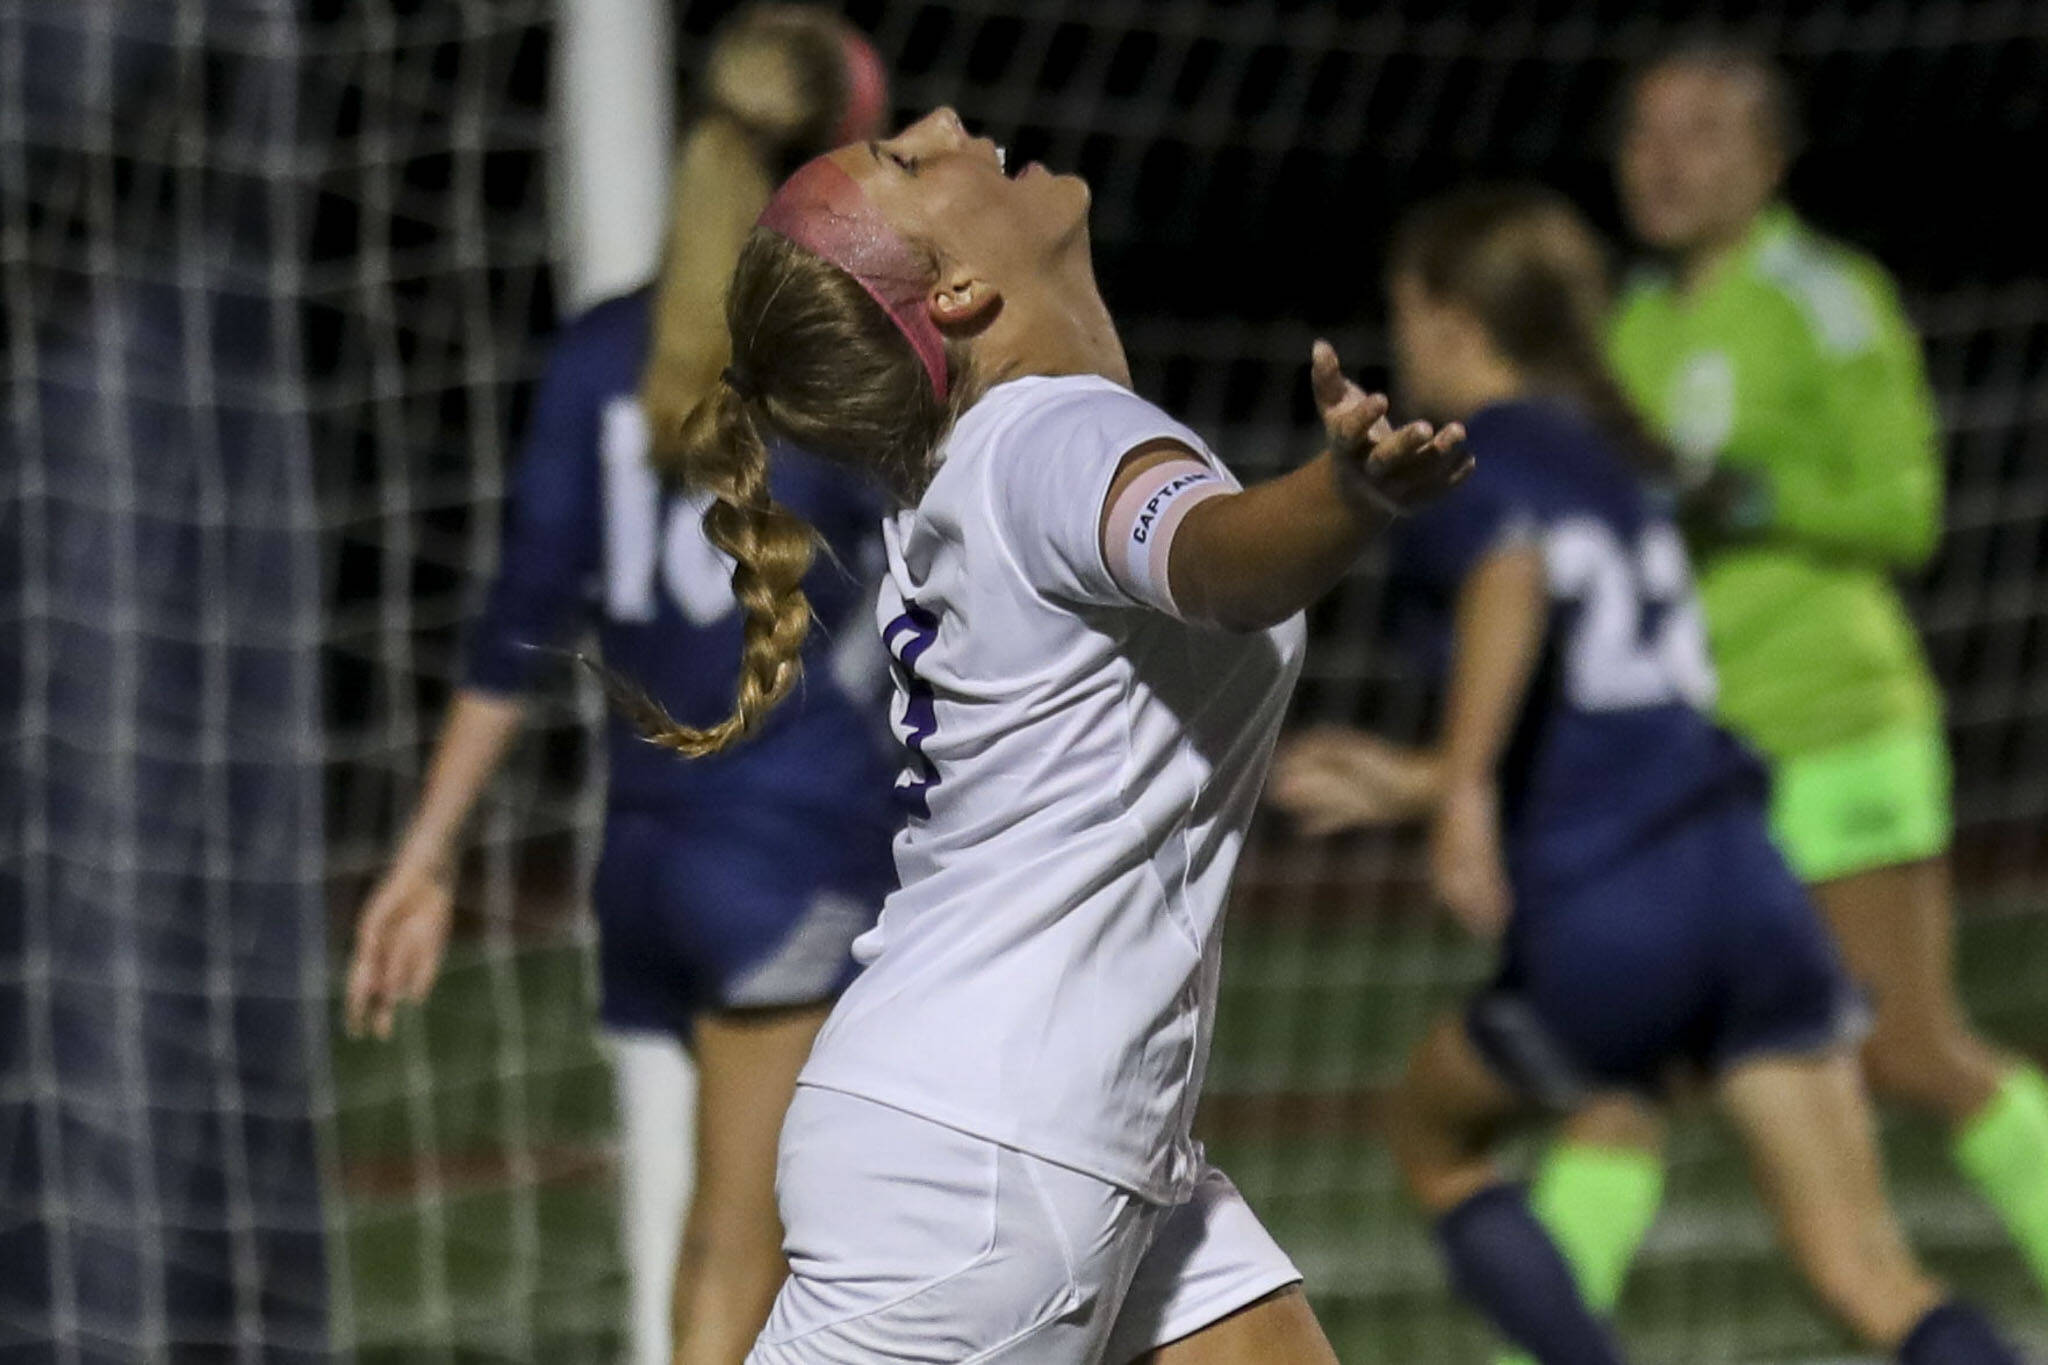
1080	773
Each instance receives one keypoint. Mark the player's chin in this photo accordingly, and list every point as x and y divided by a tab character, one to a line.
1081	196
1067	195
1064	213
1665	227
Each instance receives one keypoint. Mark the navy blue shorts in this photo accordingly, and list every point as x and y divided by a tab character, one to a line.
1699	950
735	910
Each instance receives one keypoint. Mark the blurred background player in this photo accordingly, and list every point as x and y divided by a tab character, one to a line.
1095	631
728	891
1782	369
1585	808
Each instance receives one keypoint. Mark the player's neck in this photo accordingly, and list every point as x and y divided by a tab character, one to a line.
1700	262
1484	381
1062	328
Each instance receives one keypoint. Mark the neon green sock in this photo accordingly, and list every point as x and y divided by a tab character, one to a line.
1597	1203
2004	1151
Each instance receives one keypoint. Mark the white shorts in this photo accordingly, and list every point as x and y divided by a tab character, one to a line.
911	1241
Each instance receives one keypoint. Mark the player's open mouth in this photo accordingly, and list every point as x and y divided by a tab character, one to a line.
1003	164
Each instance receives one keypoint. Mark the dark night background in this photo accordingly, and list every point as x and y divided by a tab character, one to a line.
1249	161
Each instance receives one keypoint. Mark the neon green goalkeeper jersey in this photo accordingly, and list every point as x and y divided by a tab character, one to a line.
1793	363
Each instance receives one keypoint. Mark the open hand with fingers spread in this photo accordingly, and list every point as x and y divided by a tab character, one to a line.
1388	470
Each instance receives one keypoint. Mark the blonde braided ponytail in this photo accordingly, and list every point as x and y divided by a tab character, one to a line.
828	372
722	453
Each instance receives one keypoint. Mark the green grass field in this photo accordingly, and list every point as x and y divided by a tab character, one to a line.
478	1210
462	1245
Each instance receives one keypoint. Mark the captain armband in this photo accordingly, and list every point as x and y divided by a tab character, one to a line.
1137	540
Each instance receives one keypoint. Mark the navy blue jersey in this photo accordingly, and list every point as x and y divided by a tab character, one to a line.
592	537
1614	742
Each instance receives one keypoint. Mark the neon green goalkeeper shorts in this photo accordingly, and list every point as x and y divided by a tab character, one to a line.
1876	802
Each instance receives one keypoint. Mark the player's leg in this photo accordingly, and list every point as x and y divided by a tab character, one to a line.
647	1001
1896	928
1279	1328
1599	1188
762	913
1446	1117
1867	826
731	1263
1606	979
1597	1191
656	1085
1807	1128
1444	1120
1783	1052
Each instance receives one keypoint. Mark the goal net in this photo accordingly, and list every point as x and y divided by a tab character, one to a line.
269	279
274	279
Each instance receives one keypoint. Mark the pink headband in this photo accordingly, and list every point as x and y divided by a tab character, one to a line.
823	210
867	90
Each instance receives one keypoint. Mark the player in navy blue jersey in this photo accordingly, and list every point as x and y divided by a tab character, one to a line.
1585	809
729	890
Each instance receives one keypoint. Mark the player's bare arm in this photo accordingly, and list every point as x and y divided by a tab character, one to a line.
1496	640
1249	560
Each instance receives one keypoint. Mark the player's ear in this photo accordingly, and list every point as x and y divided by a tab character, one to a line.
962	302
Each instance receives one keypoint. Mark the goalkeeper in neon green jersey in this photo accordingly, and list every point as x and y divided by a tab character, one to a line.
1781	368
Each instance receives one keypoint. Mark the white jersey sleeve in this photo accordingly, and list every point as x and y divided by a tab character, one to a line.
1049	482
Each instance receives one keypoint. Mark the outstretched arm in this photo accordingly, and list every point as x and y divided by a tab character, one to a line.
1496	639
403	929
1331	778
1249	560
552	535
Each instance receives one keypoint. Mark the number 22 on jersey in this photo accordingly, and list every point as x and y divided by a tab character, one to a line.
696	573
1639	639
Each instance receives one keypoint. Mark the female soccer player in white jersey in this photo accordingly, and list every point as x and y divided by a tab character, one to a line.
1095	633
729	892
1587	810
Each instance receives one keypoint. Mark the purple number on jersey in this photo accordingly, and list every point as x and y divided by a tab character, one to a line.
907	638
